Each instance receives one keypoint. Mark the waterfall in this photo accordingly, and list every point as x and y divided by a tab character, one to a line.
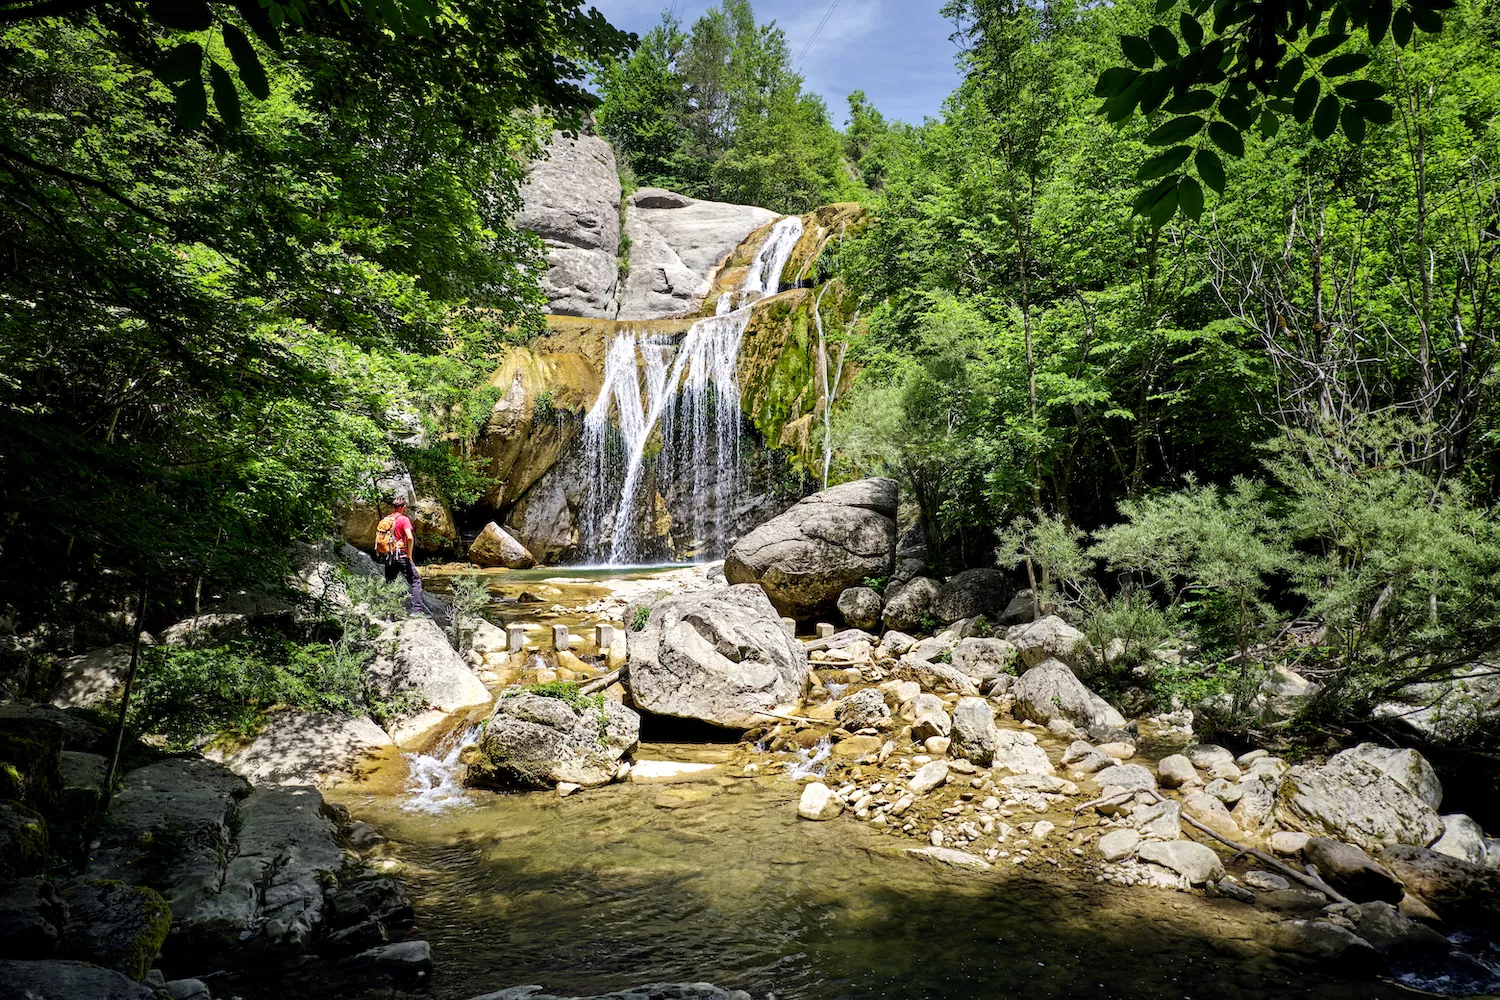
433	782
694	405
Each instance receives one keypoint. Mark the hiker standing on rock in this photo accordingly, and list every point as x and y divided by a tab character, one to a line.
395	548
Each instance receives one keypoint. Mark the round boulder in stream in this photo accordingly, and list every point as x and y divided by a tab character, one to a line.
537	741
821	546
717	656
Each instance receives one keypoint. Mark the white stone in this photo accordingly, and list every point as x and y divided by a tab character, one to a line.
818	802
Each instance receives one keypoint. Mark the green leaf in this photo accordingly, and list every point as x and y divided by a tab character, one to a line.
1353	122
1306	100
1113	82
184	61
390	14
1193	100
1326	119
1190	198
1324	44
1138	51
1360	90
1210	169
1270	124
1227	138
191	103
1289	75
1401	27
1345	64
1379	112
1236	113
1192	31
226	96
1175	130
247	62
1155	88
1162	6
1163	42
1165	208
184	15
1166	163
1429	21
1149	197
1380	21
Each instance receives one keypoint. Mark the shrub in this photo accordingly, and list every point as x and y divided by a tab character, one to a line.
1051	549
470	598
639	617
383	601
876	583
543	409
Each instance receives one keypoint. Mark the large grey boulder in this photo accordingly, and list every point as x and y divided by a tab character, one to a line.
719	656
1456	890
117	926
1349	798
32	916
864	707
1050	691
984	659
90	679
494	546
571	199
1188	858
1351	871
414	655
58	980
306	748
1406	767
974	735
821	546
242	869
972	593
860	607
1051	638
907	605
533	741
676	243
1018	752
1464	839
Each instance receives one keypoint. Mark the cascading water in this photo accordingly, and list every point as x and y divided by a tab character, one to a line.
694	403
432	780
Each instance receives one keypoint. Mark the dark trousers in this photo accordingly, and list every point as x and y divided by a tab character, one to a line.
403	566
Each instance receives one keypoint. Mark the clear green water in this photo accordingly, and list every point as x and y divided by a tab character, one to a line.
717	880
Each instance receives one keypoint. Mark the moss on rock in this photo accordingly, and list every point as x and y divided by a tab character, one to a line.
23	840
117	926
29	752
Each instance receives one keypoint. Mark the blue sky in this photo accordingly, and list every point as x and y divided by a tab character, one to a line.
896	51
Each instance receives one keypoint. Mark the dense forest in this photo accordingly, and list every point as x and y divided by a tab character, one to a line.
1279	405
1179	389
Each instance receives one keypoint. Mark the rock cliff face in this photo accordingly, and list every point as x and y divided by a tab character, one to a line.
676	245
572	201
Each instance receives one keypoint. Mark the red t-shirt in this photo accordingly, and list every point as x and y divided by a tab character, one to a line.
401	531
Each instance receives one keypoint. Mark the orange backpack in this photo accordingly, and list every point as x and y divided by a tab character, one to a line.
386	546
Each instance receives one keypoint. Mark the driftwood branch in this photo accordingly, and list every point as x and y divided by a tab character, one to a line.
787	718
600	683
1108	800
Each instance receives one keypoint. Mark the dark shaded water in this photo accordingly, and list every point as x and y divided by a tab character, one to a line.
716	880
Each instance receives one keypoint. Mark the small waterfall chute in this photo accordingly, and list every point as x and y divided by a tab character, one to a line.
433	784
694	405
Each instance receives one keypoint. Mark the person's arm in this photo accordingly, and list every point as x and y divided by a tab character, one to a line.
411	540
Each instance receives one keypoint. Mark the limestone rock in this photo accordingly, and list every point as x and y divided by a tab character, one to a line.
1388	931
571	199
1406	767
1017	751
306	748
1158	821
116	926
92	678
1352	799
929	776
1212	813
23	840
934	675
61	980
1118	844
1463	839
1176	771
533	741
974	735
909	604
1051	638
864	707
542	519
1050	691
1283	694
496	547
1225	791
719	656
930	717
818	802
1456	890
1188	858
32	916
860	607
1327	942
1352	872
950	858
414	655
1287	843
1255	811
972	593
984	659
676	242
1123	776
821	546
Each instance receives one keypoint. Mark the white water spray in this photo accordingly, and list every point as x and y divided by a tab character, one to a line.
433	782
695	403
